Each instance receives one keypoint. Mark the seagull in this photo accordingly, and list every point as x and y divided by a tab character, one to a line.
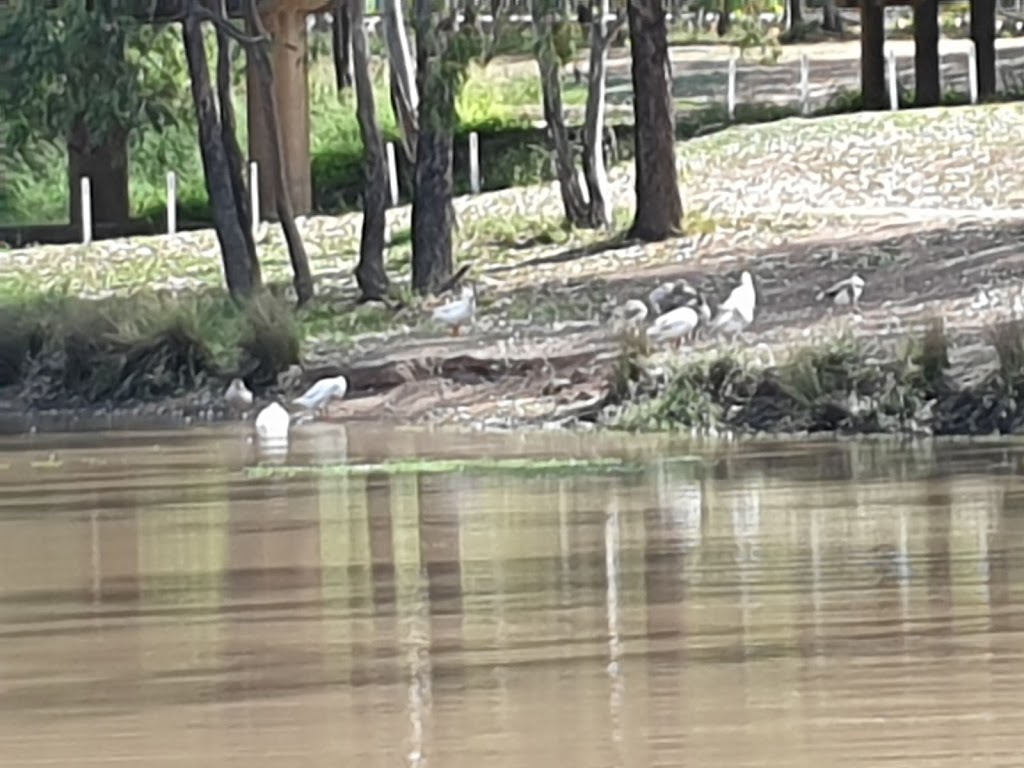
674	326
459	312
272	422
322	392
237	396
737	311
844	292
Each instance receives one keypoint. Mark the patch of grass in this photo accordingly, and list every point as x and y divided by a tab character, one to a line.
529	467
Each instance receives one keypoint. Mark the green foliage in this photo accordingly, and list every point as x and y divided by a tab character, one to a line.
66	64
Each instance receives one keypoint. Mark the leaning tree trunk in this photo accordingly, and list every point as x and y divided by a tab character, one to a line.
432	211
576	208
983	33
872	54
928	89
404	92
599	191
285	213
659	207
341	43
370	273
234	245
232	150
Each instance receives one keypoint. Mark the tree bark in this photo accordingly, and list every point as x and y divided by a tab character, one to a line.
872	55
370	273
576	208
303	280
832	20
983	33
342	43
796	13
432	211
725	18
405	94
234	245
232	150
599	193
928	85
106	165
659	207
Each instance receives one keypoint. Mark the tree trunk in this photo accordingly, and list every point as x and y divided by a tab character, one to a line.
370	273
599	192
405	95
234	245
832	20
265	74
983	33
106	166
575	205
232	150
725	18
432	212
659	207
796	13
928	85
872	55
341	43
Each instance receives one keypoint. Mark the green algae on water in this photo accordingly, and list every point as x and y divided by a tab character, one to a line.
450	466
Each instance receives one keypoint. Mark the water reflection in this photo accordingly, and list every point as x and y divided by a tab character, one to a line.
774	604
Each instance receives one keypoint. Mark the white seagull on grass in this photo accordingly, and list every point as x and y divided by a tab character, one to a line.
674	326
459	312
737	311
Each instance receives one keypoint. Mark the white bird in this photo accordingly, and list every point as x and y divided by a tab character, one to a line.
272	422
459	312
631	313
674	326
737	311
677	293
844	292
322	392
238	396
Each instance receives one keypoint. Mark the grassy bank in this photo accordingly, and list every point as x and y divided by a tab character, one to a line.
845	386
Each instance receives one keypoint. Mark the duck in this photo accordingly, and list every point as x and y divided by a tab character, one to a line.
238	396
322	392
631	313
458	312
845	292
737	311
675	293
273	422
679	323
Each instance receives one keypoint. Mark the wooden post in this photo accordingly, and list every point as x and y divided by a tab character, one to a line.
254	197
730	93
474	163
86	198
972	72
893	82
805	84
392	172
172	203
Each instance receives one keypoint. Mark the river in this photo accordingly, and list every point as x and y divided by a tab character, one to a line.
778	603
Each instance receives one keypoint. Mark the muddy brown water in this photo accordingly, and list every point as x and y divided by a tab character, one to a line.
772	604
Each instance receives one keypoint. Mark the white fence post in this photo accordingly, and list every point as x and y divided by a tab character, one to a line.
254	197
972	72
392	172
894	86
805	84
86	203
730	93
172	203
474	163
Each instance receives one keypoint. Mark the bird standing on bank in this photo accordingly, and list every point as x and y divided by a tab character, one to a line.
238	396
459	312
272	423
322	392
737	311
845	292
674	326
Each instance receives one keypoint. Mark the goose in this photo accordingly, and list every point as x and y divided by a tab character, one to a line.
677	293
238	396
674	326
458	312
844	292
322	392
737	311
272	422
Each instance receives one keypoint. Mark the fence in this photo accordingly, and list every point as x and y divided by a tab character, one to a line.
722	82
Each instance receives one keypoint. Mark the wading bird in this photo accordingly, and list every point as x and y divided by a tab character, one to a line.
322	392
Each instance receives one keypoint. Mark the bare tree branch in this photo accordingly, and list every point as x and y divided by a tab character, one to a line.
613	31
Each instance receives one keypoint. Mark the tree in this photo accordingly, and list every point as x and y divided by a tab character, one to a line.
872	54
983	33
796	13
659	207
402	74
370	273
928	88
238	252
832	20
341	43
85	78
